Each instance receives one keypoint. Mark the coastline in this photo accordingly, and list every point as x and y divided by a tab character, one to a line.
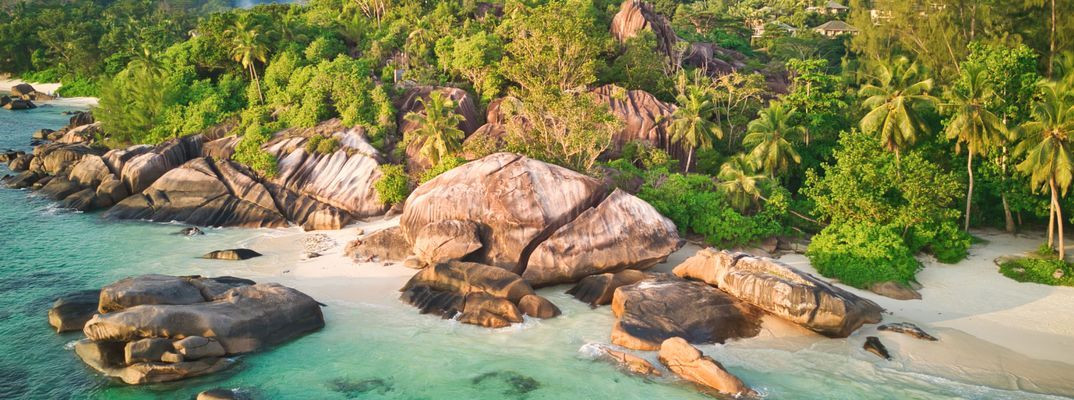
49	88
993	331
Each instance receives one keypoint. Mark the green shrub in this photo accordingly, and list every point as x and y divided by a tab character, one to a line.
945	241
248	151
79	87
394	186
318	144
1039	271
446	164
860	255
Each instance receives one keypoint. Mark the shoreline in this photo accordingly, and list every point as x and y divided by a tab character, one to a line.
48	88
994	332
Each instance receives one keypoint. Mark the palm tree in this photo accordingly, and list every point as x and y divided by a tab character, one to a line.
438	126
149	63
892	101
248	47
690	124
1048	154
768	136
973	125
739	181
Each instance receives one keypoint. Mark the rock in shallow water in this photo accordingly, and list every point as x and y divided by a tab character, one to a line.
690	364
782	290
657	309
70	312
597	290
232	255
873	345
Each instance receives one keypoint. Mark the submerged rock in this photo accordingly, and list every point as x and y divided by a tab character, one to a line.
782	291
517	385
908	329
657	309
359	387
516	201
690	364
223	394
191	231
623	232
873	345
597	290
626	361
70	312
232	255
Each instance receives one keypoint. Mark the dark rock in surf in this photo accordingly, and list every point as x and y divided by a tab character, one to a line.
873	345
232	255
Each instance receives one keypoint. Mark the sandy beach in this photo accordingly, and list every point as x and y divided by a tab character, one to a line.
48	88
993	331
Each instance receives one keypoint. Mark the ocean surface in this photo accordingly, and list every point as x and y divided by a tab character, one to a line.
375	349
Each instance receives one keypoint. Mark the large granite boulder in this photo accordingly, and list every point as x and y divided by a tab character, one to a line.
782	291
24	91
231	255
514	200
448	240
70	312
623	232
477	294
644	117
661	308
412	101
689	363
147	165
383	245
248	318
57	158
637	16
160	328
197	194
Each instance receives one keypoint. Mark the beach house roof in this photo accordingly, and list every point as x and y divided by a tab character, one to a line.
835	28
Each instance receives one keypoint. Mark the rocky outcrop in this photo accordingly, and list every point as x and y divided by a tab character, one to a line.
626	361
644	117
70	312
231	255
895	290
689	363
907	328
383	245
139	166
713	59
81	134
143	336
198	193
515	201
658	309
623	232
447	240
782	291
636	16
18	104
476	294
411	101
598	290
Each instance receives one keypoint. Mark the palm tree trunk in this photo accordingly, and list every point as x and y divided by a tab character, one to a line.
1051	52
1051	224
969	191
689	159
1058	219
257	81
1007	217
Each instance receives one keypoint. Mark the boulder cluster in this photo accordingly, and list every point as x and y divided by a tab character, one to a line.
22	97
193	180
158	328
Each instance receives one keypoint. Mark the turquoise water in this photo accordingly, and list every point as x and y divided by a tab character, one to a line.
373	347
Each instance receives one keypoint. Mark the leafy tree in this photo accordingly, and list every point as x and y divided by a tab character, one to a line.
690	125
563	129
553	46
642	66
973	125
769	137
892	101
437	127
738	97
1046	145
476	58
818	96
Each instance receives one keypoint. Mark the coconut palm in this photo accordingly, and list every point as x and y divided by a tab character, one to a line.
149	63
437	127
1047	148
892	100
690	125
248	48
972	125
738	180
769	135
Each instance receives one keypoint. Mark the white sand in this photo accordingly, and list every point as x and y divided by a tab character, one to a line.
993	331
48	88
